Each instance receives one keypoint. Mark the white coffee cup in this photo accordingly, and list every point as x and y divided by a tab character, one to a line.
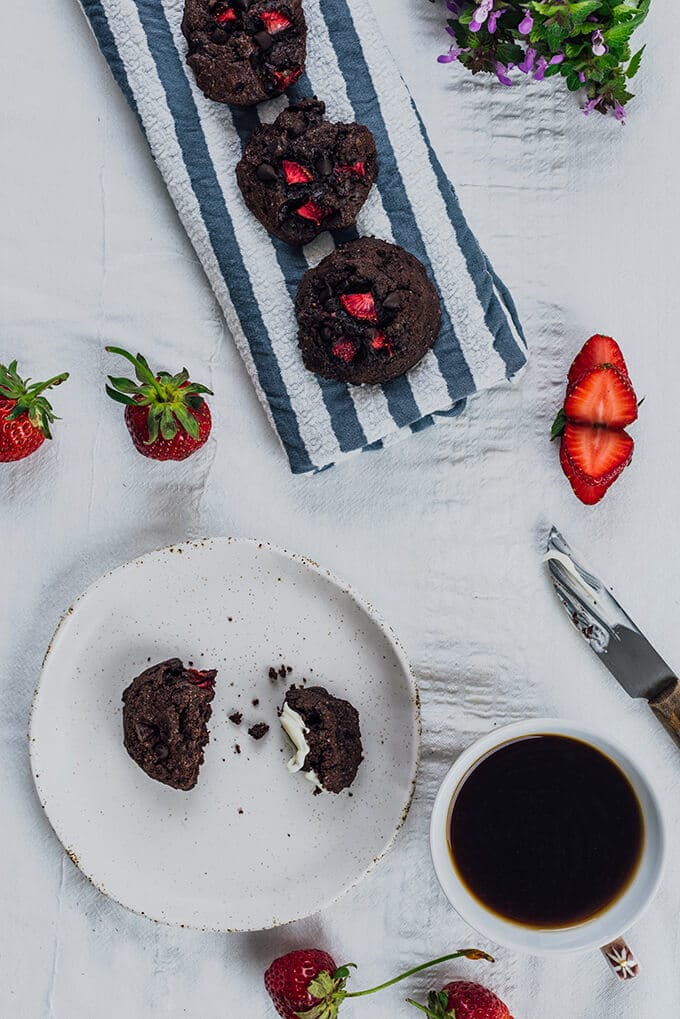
596	932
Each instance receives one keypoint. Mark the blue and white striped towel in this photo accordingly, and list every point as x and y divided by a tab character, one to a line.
197	144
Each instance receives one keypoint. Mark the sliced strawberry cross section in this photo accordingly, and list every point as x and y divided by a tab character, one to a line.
358	169
603	396
224	16
203	680
361	306
344	350
284	79
295	173
380	342
310	210
598	453
274	21
597	351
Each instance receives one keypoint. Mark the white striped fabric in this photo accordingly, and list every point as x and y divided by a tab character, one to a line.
197	143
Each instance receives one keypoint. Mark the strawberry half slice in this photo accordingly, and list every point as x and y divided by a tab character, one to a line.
599	454
295	173
345	350
361	306
358	169
588	492
603	396
224	16
597	351
274	21
284	79
310	210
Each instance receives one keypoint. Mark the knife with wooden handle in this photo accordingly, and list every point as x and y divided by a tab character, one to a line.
613	635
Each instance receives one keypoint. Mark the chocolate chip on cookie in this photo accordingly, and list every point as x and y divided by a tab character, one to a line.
367	313
245	51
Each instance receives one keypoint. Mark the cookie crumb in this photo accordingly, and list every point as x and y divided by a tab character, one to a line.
256	702
273	674
258	731
237	749
236	718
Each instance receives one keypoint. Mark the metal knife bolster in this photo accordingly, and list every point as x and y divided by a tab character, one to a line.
605	625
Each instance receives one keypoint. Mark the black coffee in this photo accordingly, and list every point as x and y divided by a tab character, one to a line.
546	831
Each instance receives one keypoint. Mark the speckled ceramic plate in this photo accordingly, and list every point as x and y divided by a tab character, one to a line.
250	847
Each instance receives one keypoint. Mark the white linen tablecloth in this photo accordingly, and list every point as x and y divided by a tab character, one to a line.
443	533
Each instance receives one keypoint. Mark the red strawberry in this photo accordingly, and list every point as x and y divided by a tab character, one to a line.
295	173
307	983
25	414
603	396
600	454
597	351
361	306
166	415
463	999
300	980
203	680
380	342
345	350
274	21
358	169
587	491
284	79
310	210
224	16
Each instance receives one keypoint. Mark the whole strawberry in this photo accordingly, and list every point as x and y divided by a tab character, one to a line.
462	999
166	415
307	983
25	413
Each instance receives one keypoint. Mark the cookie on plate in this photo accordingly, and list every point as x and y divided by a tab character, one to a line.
367	313
165	714
245	51
326	735
302	174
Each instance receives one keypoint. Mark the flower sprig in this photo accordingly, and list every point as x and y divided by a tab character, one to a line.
587	42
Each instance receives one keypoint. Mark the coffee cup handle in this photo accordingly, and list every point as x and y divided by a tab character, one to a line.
621	960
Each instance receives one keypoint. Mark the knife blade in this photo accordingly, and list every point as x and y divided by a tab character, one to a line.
611	633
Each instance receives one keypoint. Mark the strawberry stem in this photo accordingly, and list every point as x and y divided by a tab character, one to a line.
423	1008
468	953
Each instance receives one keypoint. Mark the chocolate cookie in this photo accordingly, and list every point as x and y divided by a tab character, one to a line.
245	51
165	715
325	732
367	313
302	174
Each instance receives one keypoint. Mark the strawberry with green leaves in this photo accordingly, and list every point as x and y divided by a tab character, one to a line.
307	984
166	415
600	403
25	413
462	999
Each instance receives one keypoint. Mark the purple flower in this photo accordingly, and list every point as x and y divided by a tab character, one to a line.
448	58
590	106
620	113
527	64
481	14
502	74
541	65
493	20
526	24
453	6
557	59
599	45
582	77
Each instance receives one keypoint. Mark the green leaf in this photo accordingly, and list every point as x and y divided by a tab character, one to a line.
123	385
187	421
581	11
634	65
168	425
559	424
119	397
152	425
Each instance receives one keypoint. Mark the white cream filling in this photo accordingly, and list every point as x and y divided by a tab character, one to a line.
294	727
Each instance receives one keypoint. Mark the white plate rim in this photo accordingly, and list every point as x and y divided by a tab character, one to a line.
366	606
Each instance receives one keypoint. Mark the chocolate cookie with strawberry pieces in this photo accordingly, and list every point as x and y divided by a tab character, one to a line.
166	415
245	51
302	174
600	403
367	313
166	711
25	413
